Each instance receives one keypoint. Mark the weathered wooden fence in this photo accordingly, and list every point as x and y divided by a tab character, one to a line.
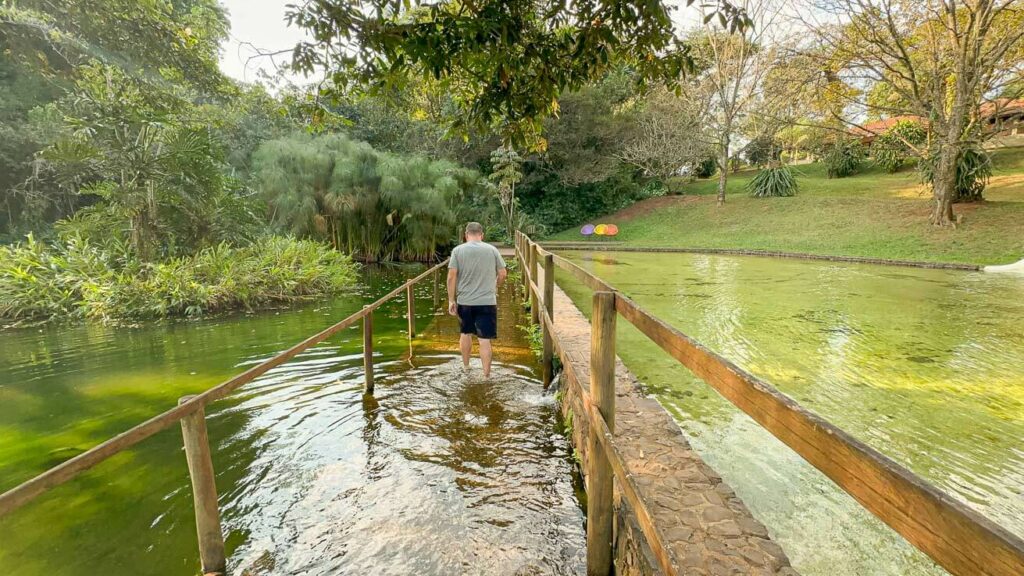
957	537
190	412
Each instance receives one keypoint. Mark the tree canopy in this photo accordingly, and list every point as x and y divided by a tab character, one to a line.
505	62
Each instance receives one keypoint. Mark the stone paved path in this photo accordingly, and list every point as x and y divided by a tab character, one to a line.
704	525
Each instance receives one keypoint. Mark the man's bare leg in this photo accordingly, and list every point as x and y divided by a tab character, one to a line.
466	346
485	355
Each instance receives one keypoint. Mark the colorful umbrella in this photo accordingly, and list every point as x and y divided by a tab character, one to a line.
599	229
611	230
587	229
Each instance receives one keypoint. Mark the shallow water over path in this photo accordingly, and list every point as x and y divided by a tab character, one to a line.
439	473
926	366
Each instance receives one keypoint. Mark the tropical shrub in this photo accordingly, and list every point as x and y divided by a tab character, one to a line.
892	149
78	279
372	204
773	182
844	158
973	171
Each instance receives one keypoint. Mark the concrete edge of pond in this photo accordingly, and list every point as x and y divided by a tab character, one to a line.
772	254
704	525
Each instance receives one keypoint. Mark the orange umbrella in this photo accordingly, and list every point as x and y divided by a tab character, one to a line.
611	230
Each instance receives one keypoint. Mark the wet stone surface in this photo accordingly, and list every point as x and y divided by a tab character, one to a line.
705	526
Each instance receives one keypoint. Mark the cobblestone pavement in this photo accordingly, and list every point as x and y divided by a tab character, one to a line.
704	525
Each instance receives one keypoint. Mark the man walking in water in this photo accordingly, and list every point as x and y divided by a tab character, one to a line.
475	271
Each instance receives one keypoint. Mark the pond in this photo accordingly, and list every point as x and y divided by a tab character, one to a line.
927	366
439	473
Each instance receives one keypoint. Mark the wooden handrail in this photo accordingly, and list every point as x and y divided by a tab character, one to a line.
19	495
957	537
601	431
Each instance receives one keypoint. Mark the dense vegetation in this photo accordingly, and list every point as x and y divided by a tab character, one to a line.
76	279
375	205
125	146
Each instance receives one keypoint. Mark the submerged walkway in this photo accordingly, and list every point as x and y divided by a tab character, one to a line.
703	524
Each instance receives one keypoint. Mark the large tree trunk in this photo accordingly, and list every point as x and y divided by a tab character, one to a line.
944	178
943	186
723	168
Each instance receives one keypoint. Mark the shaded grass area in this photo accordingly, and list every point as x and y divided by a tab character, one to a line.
871	214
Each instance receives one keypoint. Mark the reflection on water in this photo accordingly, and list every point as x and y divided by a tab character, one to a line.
439	473
926	366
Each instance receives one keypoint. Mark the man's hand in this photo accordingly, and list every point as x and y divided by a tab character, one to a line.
452	309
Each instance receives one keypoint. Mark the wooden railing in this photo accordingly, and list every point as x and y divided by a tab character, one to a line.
955	536
190	412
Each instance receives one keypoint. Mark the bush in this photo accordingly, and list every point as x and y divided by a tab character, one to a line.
80	280
844	158
706	168
973	171
891	149
762	150
773	182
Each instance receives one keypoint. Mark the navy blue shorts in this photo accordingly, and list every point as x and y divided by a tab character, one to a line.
479	320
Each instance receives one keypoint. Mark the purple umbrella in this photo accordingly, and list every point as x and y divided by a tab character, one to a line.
587	229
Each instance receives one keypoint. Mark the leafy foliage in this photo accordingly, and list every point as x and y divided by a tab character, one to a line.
844	158
506	62
152	173
892	148
773	182
973	171
762	150
372	204
81	280
506	172
706	168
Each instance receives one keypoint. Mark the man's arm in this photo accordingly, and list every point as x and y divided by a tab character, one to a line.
501	269
453	276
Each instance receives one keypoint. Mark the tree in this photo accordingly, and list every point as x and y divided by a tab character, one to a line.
506	172
735	67
506	62
935	59
153	175
44	44
668	139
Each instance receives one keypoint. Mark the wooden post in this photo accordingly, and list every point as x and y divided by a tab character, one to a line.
368	351
204	490
599	476
434	282
411	311
534	297
524	262
549	301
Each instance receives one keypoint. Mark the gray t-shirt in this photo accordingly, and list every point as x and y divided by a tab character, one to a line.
478	264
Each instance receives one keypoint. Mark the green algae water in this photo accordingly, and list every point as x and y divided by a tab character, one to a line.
439	473
926	366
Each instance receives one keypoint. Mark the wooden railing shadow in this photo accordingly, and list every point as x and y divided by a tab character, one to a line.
190	412
955	536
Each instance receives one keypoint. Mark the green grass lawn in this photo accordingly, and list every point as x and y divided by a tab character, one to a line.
871	214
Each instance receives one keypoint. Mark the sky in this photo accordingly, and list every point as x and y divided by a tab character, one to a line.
259	24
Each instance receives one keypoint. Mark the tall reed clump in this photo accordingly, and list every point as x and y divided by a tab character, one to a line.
375	205
76	279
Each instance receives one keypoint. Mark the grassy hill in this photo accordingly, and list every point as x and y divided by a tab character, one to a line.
872	214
